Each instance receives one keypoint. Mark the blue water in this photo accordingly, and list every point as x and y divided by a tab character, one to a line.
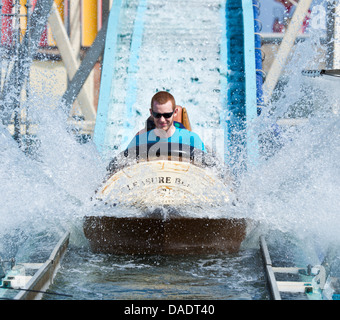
108	277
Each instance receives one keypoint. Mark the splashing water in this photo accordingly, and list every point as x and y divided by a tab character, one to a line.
51	190
293	189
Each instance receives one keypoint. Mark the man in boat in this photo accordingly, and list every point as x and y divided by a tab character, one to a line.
163	135
161	126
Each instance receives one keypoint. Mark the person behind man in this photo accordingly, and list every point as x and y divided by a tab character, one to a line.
163	111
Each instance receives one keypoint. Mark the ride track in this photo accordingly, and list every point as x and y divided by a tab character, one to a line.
206	53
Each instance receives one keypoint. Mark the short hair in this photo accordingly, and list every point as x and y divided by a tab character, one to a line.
162	97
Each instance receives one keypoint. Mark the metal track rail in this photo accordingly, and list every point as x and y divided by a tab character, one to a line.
274	290
313	278
43	278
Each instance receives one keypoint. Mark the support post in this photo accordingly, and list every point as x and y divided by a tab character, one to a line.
285	48
70	60
78	80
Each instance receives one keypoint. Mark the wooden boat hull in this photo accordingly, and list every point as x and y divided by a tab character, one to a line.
159	182
158	236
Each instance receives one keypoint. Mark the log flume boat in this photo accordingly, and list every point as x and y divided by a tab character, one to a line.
161	188
162	181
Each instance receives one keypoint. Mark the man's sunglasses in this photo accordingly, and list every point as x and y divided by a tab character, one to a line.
166	115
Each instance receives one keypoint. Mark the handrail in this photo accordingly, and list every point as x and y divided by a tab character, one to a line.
259	56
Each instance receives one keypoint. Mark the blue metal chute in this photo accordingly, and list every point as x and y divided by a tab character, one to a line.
101	127
241	105
240	85
131	93
115	120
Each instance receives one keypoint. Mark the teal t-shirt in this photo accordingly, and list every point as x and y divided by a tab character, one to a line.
180	136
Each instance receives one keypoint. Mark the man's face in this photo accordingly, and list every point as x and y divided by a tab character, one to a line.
162	122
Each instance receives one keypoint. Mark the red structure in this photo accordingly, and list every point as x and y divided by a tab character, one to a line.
287	3
279	27
7	23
